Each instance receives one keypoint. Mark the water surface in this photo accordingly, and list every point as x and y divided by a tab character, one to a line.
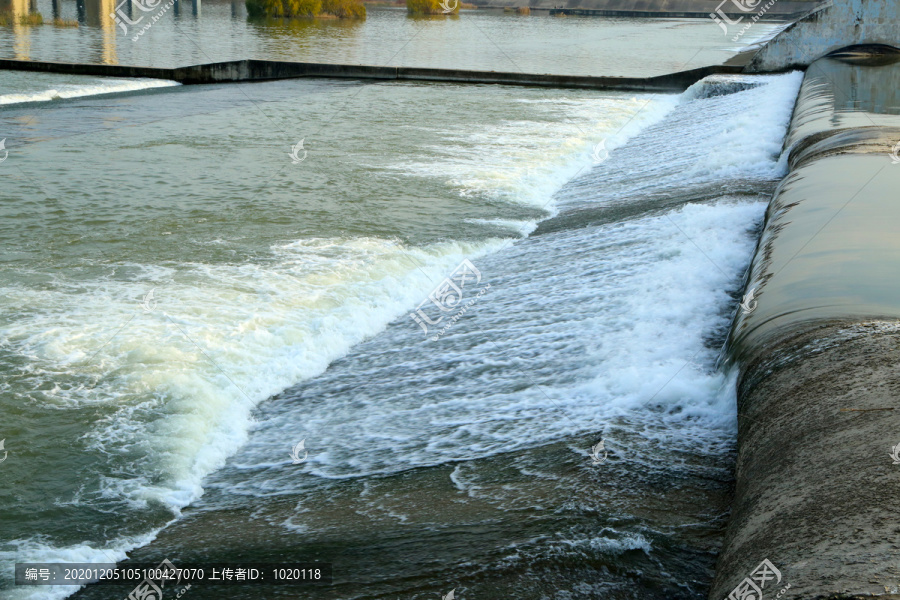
183	302
280	313
482	40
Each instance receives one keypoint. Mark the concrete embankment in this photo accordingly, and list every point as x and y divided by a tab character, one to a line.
817	488
781	10
832	26
265	70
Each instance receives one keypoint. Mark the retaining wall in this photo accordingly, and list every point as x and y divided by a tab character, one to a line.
654	8
836	25
819	352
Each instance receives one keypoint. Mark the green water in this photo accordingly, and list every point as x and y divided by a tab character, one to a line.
483	40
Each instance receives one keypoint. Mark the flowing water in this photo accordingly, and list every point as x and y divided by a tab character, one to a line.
183	302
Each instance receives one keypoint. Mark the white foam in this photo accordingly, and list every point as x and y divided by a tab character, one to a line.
588	547
184	379
607	545
36	551
103	86
645	298
746	138
530	160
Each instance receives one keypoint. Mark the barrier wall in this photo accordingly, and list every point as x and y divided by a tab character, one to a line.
818	347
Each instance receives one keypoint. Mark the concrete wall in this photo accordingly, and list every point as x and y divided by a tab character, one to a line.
843	23
818	354
264	70
661	8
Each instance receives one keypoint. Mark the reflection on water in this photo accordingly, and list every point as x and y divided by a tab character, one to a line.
17	9
96	14
830	249
837	95
91	13
477	39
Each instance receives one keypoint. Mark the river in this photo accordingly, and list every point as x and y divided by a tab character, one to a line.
187	294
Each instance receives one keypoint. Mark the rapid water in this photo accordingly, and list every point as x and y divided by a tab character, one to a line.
24	87
279	312
182	303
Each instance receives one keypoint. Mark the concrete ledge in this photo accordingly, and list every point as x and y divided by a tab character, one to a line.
841	97
781	10
816	486
817	350
652	14
86	69
836	25
264	70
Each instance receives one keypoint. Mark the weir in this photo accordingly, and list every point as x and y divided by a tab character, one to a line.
817	348
267	70
816	485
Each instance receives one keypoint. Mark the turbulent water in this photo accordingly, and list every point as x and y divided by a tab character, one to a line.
24	87
183	301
